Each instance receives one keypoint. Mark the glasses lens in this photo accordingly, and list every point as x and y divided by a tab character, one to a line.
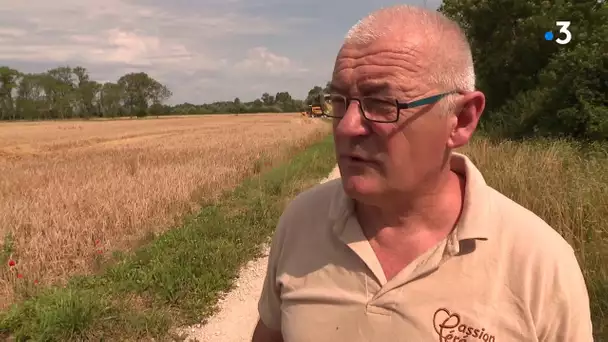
335	105
375	109
378	109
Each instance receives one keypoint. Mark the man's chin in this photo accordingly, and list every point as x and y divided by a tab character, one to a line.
358	186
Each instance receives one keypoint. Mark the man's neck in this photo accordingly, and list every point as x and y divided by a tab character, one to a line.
431	211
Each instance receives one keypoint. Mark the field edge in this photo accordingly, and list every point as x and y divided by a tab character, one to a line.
178	278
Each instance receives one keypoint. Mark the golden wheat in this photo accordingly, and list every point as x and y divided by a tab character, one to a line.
72	191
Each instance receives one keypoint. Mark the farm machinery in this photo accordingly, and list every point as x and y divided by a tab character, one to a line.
319	107
313	111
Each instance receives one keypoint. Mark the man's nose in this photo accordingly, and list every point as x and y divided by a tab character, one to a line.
352	123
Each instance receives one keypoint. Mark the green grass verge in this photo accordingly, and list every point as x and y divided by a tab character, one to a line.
177	278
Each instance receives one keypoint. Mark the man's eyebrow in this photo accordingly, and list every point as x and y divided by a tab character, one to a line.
367	87
375	87
335	88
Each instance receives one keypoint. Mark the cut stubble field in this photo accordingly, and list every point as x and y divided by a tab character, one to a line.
74	192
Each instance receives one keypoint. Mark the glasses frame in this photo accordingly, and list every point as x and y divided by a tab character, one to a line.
398	105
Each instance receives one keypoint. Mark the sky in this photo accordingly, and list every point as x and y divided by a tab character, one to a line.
203	50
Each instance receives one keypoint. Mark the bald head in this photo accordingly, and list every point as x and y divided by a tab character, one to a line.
441	42
400	55
395	21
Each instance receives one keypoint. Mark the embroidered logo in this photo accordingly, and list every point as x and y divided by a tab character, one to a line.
450	328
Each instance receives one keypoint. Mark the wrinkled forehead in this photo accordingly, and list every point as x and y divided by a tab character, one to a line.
383	66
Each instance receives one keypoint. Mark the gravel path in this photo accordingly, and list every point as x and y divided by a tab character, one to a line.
238	313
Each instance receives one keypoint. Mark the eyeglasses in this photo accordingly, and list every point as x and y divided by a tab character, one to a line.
375	109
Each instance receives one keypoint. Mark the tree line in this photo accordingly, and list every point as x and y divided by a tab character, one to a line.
65	92
536	87
281	102
68	92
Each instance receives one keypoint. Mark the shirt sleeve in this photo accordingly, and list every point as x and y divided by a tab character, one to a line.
269	304
569	314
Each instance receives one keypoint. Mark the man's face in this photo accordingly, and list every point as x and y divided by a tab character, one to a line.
378	158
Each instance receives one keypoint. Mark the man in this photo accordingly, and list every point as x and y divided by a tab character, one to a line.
411	244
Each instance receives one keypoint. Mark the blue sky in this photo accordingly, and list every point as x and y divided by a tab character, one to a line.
204	50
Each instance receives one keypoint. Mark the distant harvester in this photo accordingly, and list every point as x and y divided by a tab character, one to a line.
320	107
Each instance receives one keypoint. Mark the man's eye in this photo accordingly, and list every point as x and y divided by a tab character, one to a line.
379	105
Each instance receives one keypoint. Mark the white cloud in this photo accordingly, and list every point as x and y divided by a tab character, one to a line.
133	48
118	31
260	60
200	49
109	46
11	32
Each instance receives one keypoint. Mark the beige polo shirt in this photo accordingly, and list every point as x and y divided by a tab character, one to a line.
502	275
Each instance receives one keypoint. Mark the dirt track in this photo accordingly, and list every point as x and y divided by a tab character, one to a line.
238	310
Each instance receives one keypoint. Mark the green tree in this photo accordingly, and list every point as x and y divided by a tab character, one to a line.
313	95
528	80
111	100
87	93
141	91
9	79
31	100
267	99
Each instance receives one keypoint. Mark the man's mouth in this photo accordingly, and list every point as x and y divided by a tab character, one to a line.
356	159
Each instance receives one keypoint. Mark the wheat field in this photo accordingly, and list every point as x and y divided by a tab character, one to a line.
72	192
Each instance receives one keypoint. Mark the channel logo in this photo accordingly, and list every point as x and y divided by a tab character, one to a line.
564	36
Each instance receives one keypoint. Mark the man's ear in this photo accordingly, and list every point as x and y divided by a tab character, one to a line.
468	111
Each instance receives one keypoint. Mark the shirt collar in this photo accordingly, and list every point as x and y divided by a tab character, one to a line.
473	221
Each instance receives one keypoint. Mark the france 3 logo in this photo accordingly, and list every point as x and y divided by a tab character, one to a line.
564	36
